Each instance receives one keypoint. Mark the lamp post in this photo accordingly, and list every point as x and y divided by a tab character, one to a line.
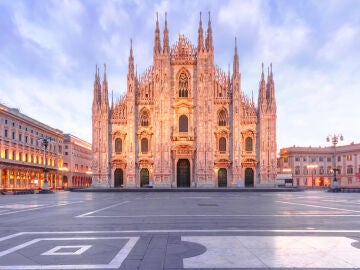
45	143
334	139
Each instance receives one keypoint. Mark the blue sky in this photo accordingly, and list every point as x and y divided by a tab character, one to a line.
49	49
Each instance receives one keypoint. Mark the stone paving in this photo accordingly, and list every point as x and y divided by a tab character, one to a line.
180	230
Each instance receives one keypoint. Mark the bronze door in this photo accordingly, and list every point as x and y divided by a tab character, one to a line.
183	173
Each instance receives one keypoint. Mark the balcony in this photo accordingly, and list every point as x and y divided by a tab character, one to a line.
183	136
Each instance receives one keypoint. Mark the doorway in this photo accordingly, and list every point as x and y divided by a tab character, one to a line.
118	178
144	177
222	178
183	173
249	177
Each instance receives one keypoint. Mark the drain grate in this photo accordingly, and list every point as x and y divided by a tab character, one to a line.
207	204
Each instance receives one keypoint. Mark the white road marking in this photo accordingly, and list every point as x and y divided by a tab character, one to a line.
37	208
273	252
194	198
177	231
92	212
114	263
221	216
319	206
342	201
19	206
177	198
55	251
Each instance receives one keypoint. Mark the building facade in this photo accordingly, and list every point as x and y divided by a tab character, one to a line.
184	122
77	160
23	158
313	166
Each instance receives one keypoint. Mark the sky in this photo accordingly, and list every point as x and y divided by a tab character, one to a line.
49	49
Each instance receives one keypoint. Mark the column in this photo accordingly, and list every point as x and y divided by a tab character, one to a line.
7	179
1	179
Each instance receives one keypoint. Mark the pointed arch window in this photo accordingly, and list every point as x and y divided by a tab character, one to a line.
248	144
118	145
222	145
144	145
183	123
222	118
183	85
144	118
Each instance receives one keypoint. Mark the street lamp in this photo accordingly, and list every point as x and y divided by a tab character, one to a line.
334	139
45	143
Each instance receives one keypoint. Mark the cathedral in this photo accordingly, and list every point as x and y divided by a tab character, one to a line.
184	122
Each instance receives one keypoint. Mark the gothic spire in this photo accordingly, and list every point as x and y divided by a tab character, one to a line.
157	46
98	79
272	88
236	59
97	87
166	36
112	99
262	87
131	61
200	36
105	88
96	76
98	82
209	40
104	79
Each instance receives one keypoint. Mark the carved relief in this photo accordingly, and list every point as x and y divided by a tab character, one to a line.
183	52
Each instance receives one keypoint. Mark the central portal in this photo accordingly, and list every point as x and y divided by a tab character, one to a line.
183	173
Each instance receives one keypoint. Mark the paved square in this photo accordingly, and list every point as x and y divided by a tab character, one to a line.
274	252
180	230
103	253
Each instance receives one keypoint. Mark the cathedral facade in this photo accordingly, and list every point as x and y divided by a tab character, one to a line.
184	122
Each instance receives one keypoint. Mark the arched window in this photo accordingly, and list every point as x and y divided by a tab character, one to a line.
248	144
144	118
222	118
144	145
118	145
222	144
183	123
183	85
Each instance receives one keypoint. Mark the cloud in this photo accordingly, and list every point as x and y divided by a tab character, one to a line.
242	15
280	43
43	45
113	16
50	49
343	44
62	108
312	103
67	13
